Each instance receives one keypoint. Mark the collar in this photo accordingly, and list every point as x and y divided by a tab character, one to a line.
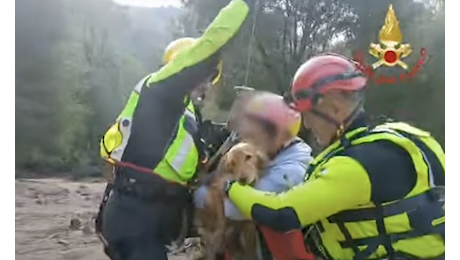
358	122
285	147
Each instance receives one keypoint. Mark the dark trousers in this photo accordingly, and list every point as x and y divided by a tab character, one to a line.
139	226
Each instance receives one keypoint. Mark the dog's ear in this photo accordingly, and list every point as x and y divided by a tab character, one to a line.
228	162
262	159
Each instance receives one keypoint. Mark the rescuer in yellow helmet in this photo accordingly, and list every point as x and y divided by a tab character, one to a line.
198	94
155	145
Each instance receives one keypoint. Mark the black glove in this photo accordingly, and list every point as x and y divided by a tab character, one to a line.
214	136
209	128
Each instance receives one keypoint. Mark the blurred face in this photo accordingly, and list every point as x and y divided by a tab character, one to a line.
236	112
198	94
255	132
317	125
334	106
323	130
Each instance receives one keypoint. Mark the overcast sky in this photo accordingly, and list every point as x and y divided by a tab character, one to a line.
149	3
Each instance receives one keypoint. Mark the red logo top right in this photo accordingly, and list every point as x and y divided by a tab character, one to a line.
390	52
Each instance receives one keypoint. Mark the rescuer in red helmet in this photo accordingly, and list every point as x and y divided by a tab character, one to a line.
374	192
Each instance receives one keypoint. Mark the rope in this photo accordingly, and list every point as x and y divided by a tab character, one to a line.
251	40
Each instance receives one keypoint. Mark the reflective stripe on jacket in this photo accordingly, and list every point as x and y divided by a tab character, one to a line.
153	118
182	157
180	160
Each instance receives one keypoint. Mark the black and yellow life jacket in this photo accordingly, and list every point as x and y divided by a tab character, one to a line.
409	228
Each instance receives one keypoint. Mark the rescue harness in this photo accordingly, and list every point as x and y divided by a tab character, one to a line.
419	217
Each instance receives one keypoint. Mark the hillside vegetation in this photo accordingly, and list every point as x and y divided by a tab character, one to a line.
76	61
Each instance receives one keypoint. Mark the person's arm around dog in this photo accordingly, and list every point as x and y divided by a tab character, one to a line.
284	172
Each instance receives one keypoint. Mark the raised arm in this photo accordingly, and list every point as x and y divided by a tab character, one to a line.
193	65
163	96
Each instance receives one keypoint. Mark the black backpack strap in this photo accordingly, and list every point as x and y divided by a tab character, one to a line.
265	252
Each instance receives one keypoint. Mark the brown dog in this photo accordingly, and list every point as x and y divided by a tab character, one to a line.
244	162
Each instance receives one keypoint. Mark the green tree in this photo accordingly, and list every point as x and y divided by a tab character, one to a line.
76	62
288	32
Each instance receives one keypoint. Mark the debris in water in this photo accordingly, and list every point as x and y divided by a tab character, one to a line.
75	224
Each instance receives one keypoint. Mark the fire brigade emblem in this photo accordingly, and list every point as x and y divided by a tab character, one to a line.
390	51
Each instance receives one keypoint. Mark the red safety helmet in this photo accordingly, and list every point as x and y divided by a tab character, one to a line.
321	74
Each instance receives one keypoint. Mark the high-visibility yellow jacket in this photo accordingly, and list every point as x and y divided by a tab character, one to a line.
155	130
336	201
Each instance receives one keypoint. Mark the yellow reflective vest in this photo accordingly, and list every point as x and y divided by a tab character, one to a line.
181	158
412	226
155	132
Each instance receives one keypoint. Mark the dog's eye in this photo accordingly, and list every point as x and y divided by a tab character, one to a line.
247	157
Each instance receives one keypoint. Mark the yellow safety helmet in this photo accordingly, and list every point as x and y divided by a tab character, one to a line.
176	46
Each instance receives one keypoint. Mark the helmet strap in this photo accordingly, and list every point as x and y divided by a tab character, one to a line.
341	126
